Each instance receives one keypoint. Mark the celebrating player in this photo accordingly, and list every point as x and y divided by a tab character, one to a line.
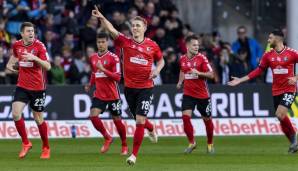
105	75
194	70
30	60
281	60
139	53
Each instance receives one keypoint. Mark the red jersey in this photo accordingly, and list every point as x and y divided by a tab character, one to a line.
31	74
106	82
195	86
282	65
137	61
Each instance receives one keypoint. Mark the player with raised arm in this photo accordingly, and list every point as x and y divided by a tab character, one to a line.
30	59
194	70
139	53
281	59
106	74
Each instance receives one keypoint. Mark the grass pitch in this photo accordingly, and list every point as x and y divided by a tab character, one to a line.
232	153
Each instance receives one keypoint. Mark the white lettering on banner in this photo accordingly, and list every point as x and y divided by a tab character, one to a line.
256	106
221	102
178	103
220	107
26	64
78	112
241	110
138	60
280	71
26	112
164	127
5	112
164	106
232	104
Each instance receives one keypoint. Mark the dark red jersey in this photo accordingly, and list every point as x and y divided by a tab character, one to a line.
106	82
282	65
195	86
137	61
31	74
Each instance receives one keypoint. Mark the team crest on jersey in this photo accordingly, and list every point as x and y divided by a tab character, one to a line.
285	59
272	59
105	62
148	49
33	51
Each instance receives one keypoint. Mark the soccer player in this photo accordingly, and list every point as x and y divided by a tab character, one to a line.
194	70
30	60
139	53
105	75
281	59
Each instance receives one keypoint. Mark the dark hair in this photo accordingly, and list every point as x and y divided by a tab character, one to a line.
26	24
102	35
191	37
241	27
278	32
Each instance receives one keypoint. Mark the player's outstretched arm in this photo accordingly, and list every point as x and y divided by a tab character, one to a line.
236	81
12	64
104	22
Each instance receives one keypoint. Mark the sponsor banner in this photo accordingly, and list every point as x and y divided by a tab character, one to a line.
72	103
164	127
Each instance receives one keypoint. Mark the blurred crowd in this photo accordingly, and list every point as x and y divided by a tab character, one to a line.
68	30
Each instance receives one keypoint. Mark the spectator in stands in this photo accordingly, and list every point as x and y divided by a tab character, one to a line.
253	48
56	75
16	11
4	36
241	65
170	72
88	33
3	62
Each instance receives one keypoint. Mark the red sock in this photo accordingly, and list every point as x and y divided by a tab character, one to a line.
287	127
148	125
98	125
285	130
209	130
43	131
138	138
188	129
20	125
121	130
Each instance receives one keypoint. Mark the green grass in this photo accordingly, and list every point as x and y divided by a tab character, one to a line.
232	153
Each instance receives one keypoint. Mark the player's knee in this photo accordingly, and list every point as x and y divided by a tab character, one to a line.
206	118
116	117
93	114
16	116
140	119
39	120
280	115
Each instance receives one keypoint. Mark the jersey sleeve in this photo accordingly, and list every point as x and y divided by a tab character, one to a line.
262	66
295	54
43	54
121	40
115	74
206	67
158	53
